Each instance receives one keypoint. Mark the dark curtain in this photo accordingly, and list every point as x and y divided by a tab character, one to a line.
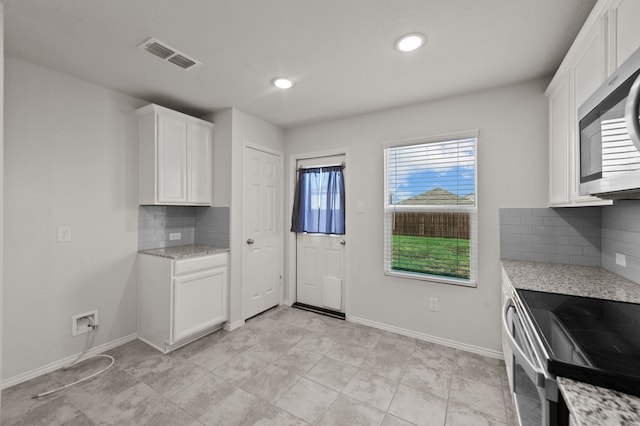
318	205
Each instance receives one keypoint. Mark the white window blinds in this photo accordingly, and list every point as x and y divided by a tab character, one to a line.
430	210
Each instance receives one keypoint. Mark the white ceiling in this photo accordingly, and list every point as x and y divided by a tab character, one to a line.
339	52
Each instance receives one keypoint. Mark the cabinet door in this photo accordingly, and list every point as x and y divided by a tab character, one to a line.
199	165
589	70
627	29
199	302
559	145
172	159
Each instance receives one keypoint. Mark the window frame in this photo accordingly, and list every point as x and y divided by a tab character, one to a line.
389	209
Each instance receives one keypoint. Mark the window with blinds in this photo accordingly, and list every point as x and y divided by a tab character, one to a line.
430	209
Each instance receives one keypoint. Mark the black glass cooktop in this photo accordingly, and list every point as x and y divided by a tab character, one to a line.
592	340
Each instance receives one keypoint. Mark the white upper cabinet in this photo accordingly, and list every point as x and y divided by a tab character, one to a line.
623	18
175	158
199	161
609	35
559	147
590	68
171	145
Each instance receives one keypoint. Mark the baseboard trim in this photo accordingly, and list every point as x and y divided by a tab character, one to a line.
230	326
427	337
52	366
167	348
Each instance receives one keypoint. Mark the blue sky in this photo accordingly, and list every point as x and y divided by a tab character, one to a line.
458	180
414	169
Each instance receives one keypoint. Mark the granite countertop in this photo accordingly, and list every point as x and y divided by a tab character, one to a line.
595	406
182	252
588	404
574	280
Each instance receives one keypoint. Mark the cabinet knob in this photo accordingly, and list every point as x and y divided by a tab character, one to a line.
249	241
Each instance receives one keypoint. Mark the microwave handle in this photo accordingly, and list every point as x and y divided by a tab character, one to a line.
508	304
631	113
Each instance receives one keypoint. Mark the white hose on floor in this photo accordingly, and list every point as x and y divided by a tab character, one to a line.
84	379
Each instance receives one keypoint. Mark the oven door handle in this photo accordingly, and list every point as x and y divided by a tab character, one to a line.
518	352
631	113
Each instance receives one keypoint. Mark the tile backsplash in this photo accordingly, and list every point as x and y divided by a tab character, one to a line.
212	226
196	225
589	236
570	235
621	234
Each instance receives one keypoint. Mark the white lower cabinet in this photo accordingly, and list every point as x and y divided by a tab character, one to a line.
181	300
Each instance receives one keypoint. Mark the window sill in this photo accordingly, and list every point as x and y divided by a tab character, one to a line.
432	278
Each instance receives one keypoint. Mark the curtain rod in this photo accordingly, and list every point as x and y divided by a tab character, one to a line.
322	166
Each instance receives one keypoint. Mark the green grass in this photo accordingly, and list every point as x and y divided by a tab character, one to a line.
447	257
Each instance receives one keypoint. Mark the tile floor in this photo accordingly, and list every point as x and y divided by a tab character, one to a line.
284	367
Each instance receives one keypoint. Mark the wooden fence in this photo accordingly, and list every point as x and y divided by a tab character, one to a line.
444	225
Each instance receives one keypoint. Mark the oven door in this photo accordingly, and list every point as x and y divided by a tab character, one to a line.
528	385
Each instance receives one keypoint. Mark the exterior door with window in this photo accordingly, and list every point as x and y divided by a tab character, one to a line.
262	226
319	220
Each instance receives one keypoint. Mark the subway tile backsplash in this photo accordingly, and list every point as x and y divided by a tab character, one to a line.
621	234
196	225
212	226
570	235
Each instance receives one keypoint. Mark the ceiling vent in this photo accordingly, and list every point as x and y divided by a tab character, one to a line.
169	54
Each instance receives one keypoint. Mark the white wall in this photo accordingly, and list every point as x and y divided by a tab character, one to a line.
233	130
71	159
512	172
222	137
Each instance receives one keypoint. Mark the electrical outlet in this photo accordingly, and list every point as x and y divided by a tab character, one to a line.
64	234
175	236
621	260
84	323
433	304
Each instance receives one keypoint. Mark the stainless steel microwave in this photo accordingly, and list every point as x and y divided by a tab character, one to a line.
610	135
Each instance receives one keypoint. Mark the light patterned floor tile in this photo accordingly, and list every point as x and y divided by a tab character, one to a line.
371	389
307	400
355	375
417	407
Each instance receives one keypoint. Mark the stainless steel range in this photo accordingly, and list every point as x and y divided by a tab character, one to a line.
592	340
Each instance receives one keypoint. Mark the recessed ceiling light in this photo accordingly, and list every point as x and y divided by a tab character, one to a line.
410	42
282	83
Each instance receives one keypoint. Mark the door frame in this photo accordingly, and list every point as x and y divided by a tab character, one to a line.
291	250
280	156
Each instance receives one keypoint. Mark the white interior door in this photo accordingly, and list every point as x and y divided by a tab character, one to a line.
262	227
320	260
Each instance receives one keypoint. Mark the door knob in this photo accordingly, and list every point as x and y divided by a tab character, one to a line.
343	242
249	241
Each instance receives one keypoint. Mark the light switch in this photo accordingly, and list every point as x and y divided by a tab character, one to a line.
359	207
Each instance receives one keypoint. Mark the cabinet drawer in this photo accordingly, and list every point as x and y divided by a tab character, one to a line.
200	263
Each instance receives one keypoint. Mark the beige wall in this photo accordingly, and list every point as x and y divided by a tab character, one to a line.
71	159
512	172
